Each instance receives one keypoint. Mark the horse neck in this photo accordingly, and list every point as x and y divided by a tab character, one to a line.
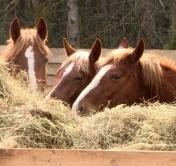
145	91
168	89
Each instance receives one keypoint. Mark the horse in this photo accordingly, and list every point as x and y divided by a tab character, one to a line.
27	51
76	72
129	76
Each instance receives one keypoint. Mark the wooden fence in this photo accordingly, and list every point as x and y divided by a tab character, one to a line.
58	56
43	157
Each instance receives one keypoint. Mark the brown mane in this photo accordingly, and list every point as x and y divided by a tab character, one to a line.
28	37
152	66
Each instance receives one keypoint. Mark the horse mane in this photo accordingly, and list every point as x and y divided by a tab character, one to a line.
81	58
152	71
27	37
152	66
115	55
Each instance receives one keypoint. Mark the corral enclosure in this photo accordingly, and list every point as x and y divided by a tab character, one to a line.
40	132
38	157
29	121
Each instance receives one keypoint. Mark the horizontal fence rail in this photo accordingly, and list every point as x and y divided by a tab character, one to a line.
58	55
43	157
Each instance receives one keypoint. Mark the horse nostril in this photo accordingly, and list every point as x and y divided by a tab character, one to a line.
53	95
78	108
81	109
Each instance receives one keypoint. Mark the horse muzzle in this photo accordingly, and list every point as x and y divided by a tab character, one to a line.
78	108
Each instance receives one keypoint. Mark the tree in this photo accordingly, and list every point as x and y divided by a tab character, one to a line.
172	42
73	23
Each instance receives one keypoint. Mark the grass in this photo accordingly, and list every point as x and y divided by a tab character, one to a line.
27	120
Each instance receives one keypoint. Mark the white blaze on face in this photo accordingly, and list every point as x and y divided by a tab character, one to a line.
94	83
29	54
66	72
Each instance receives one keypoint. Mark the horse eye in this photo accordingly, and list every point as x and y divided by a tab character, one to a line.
79	78
116	77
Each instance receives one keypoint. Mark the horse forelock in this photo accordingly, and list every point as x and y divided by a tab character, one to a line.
115	55
28	37
80	58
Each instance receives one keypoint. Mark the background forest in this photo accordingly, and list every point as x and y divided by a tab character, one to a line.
154	20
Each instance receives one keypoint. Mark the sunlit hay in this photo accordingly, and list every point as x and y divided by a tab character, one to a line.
130	127
25	117
29	120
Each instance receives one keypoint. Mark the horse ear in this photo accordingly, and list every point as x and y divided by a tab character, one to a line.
137	53
42	29
95	51
68	48
15	30
124	43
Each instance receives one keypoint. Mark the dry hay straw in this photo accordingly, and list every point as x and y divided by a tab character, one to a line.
27	120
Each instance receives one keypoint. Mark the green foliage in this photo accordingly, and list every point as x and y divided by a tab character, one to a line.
29	11
108	19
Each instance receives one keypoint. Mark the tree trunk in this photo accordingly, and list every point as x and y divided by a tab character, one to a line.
73	23
172	44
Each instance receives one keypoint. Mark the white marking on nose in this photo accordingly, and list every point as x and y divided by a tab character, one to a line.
29	54
66	72
93	84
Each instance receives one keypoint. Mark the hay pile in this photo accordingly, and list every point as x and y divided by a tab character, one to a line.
29	121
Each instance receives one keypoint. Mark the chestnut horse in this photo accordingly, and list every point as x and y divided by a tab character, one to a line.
76	72
27	50
128	76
